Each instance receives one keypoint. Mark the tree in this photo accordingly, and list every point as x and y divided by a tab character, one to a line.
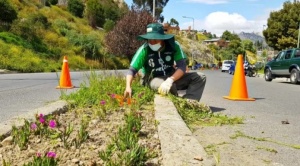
229	36
112	10
76	7
235	46
174	22
95	13
282	30
248	45
148	6
122	40
8	14
51	2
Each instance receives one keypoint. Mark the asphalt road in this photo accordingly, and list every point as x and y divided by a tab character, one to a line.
21	93
275	102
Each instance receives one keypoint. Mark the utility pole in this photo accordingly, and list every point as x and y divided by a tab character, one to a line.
154	10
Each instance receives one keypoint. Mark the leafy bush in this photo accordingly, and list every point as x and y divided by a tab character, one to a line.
14	39
122	40
8	13
76	7
30	29
77	62
109	25
61	26
95	13
89	43
51	2
121	63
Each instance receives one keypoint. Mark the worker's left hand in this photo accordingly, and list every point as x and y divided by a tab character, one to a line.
165	86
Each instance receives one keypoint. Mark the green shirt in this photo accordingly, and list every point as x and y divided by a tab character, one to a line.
157	63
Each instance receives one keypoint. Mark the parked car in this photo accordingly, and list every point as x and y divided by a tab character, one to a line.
213	65
285	64
226	65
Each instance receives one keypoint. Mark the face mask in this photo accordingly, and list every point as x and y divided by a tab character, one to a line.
155	47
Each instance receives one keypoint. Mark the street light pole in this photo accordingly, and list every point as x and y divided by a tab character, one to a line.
262	44
298	35
190	18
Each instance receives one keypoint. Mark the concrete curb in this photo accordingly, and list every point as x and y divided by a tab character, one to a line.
178	145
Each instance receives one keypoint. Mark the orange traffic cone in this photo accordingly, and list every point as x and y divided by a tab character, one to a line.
238	89
65	79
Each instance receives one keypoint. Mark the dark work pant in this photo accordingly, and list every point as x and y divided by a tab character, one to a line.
192	82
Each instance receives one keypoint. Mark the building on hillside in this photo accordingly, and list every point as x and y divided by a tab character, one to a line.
171	29
188	32
217	41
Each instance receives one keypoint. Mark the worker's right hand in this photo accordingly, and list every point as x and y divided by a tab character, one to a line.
165	86
127	92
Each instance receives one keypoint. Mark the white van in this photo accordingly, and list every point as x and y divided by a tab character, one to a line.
226	65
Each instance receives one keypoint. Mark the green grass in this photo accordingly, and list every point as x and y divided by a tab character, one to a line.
241	134
201	115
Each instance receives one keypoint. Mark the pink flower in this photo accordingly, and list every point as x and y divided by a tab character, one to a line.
113	96
42	120
51	154
33	126
38	154
52	124
102	102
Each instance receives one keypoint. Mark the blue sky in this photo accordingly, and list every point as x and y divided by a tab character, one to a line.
216	16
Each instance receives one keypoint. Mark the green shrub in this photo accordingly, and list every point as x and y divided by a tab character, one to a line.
108	25
8	14
121	62
14	39
61	26
76	7
95	13
29	28
89	43
51	2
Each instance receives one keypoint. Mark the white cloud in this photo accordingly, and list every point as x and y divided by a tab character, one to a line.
218	22
210	2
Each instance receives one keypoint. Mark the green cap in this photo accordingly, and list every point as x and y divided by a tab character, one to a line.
155	31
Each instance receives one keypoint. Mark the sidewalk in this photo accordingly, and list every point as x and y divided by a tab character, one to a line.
178	146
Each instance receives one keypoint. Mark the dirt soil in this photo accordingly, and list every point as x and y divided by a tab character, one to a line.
100	133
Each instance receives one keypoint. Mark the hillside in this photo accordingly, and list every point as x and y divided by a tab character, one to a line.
40	36
195	49
252	36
